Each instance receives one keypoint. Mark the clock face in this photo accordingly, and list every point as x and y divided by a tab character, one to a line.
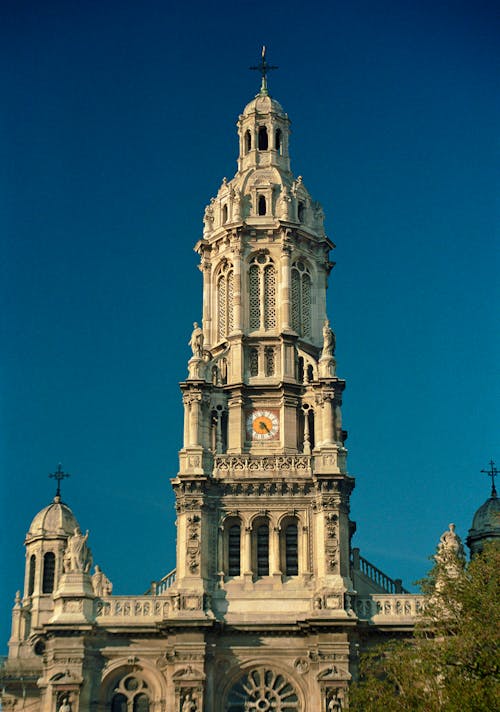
263	425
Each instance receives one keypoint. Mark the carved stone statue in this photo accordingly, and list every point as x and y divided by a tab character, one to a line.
100	583
189	705
237	205
208	218
328	340
65	706
284	204
78	557
196	341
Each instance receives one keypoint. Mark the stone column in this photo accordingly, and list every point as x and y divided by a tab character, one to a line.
328	397
185	400
274	551
206	269
246	559
236	246
195	419
285	286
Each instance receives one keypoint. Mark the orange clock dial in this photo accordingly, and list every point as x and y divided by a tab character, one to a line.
263	425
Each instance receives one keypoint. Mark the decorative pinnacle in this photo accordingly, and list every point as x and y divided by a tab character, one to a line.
59	475
263	68
492	472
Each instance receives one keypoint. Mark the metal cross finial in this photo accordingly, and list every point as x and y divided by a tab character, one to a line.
263	68
492	472
59	475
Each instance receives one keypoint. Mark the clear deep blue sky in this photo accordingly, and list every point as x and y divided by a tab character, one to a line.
117	126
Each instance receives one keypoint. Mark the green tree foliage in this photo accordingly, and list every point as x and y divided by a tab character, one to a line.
451	664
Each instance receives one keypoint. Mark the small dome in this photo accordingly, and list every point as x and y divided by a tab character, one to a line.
263	104
56	519
486	523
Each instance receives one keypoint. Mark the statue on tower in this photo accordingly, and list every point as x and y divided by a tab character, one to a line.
78	557
327	360
196	341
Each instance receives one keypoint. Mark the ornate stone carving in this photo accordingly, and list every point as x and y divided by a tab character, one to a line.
101	584
193	543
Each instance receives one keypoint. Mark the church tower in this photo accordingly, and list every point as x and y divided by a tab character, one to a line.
263	490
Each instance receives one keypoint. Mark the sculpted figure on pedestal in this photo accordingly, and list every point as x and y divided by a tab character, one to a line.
196	341
328	340
78	557
101	584
189	705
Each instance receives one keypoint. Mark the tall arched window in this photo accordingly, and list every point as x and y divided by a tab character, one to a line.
263	140
262	550
248	141
233	549
291	550
262	289
49	570
224	214
277	141
225	292
262	205
301	299
31	575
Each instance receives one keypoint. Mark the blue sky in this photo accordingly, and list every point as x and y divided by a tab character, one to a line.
117	126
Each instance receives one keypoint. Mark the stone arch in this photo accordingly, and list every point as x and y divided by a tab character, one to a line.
284	688
117	677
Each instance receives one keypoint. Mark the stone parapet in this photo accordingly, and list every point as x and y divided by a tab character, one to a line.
255	465
390	608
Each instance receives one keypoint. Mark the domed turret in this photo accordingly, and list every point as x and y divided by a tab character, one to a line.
486	522
55	520
45	545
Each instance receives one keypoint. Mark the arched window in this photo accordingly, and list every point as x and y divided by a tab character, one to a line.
301	211
224	214
257	687
262	288
49	569
233	550
262	550
130	695
248	141
277	141
291	567
262	205
225	291
301	299
269	360
254	361
263	140
31	575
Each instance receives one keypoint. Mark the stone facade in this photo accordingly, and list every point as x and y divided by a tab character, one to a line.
268	606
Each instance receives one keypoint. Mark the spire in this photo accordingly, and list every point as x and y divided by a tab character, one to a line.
59	475
492	472
264	67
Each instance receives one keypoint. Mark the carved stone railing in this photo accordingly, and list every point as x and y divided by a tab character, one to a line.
159	587
359	563
262	464
115	609
389	608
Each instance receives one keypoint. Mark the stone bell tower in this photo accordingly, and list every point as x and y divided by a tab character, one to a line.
263	491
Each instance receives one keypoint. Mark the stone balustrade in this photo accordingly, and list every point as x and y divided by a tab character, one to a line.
255	465
381	608
123	609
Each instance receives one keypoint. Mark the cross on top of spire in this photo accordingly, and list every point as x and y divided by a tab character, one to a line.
264	67
59	475
492	472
